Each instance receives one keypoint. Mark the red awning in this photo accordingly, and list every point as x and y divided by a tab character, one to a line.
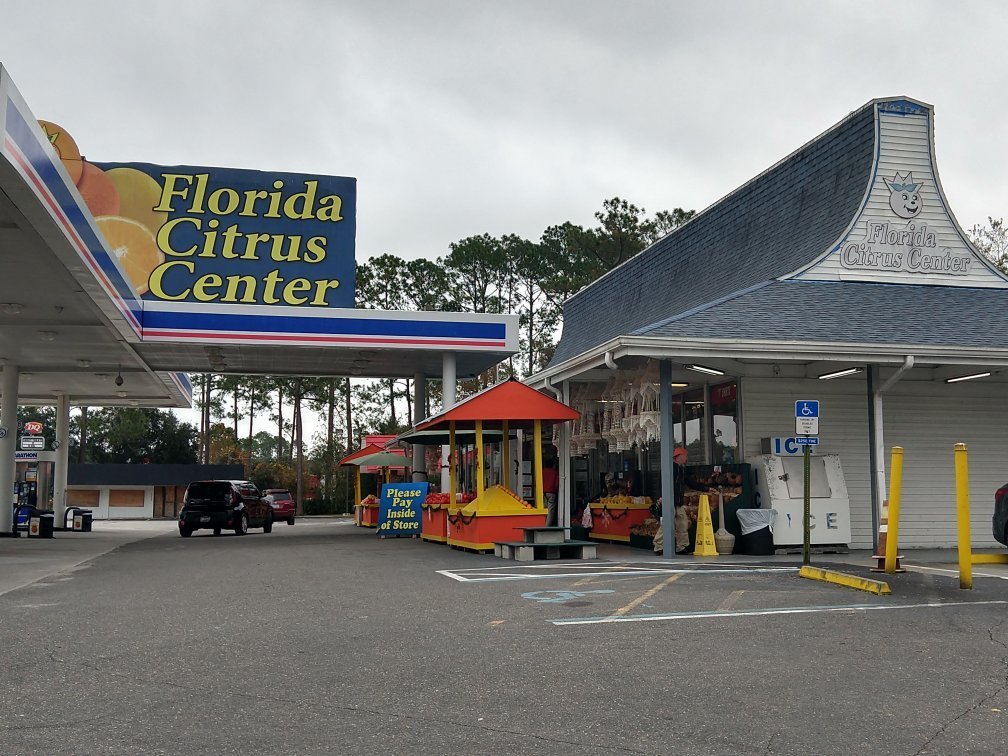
367	450
511	400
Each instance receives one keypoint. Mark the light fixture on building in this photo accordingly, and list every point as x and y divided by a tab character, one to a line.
121	394
839	373
84	363
678	385
10	308
119	378
705	369
47	335
967	377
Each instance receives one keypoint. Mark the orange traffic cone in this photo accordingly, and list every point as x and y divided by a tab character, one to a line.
879	555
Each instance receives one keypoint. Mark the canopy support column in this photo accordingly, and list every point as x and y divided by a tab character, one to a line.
62	458
447	402
564	471
8	422
666	462
419	403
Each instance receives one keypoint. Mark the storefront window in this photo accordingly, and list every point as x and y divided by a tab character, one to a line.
724	410
695	426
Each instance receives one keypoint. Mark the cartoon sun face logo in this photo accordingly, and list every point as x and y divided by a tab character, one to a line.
904	198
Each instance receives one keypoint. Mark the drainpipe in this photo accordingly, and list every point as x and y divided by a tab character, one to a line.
609	361
553	389
876	438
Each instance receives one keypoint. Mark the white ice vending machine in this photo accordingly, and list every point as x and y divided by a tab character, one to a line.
780	485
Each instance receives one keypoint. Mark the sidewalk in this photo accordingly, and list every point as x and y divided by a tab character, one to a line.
24	561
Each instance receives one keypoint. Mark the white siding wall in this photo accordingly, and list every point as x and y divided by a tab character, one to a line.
926	419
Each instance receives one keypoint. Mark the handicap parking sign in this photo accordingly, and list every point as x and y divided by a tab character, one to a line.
806	412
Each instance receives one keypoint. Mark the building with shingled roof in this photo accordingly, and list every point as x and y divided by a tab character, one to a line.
839	274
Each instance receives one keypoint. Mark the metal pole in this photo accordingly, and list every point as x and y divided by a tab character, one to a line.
666	463
807	513
62	458
962	515
537	460
8	422
419	450
447	402
892	529
480	479
873	471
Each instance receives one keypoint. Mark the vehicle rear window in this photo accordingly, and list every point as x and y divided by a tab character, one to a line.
249	491
209	489
280	495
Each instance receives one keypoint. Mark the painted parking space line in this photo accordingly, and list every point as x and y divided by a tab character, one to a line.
849	608
485	576
953	573
623	610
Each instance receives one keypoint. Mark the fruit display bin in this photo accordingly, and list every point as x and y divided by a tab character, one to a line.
369	512
497	515
613	516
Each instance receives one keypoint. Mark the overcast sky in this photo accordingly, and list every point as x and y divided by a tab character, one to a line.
460	118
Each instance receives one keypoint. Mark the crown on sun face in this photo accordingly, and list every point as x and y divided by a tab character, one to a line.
902	183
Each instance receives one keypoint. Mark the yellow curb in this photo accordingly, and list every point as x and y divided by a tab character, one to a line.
989	558
842	578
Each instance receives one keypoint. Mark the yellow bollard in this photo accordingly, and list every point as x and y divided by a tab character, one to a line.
892	528
962	516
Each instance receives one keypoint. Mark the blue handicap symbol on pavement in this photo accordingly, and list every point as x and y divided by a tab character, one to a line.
558	597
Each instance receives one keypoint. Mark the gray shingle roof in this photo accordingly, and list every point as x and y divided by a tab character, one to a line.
771	226
863	313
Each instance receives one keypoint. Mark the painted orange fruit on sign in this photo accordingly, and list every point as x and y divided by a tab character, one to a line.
98	191
65	147
139	194
134	246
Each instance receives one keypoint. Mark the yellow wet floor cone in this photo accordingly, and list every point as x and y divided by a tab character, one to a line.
704	531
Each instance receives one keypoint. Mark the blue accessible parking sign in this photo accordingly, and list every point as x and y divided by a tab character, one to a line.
806	412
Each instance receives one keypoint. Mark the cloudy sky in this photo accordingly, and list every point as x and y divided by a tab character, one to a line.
467	117
460	118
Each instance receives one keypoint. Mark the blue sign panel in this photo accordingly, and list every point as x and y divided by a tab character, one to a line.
400	508
806	441
806	408
228	236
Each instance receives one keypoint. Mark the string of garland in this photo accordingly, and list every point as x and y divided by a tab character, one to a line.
612	512
455	519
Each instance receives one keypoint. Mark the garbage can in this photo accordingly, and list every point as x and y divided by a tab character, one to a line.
40	524
756	526
85	517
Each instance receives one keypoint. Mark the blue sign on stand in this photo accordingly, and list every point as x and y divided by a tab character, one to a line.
400	508
806	441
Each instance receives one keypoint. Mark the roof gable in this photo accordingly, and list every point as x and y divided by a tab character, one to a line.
511	401
904	231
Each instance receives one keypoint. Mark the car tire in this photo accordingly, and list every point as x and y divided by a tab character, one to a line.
268	525
290	520
216	531
185	532
242	527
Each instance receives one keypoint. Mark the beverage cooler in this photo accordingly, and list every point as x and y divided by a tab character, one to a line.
780	485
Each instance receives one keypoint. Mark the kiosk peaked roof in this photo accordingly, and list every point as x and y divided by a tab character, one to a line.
511	400
365	452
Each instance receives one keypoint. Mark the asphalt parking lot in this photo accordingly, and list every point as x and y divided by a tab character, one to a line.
321	638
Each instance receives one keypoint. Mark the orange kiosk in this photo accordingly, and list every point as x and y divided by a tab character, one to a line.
372	455
497	513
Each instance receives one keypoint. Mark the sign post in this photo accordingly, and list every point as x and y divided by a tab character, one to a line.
807	424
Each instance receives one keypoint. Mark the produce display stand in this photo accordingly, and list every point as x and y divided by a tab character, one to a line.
496	513
366	509
614	516
434	522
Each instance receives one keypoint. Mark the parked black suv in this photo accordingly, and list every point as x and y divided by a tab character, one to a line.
224	505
